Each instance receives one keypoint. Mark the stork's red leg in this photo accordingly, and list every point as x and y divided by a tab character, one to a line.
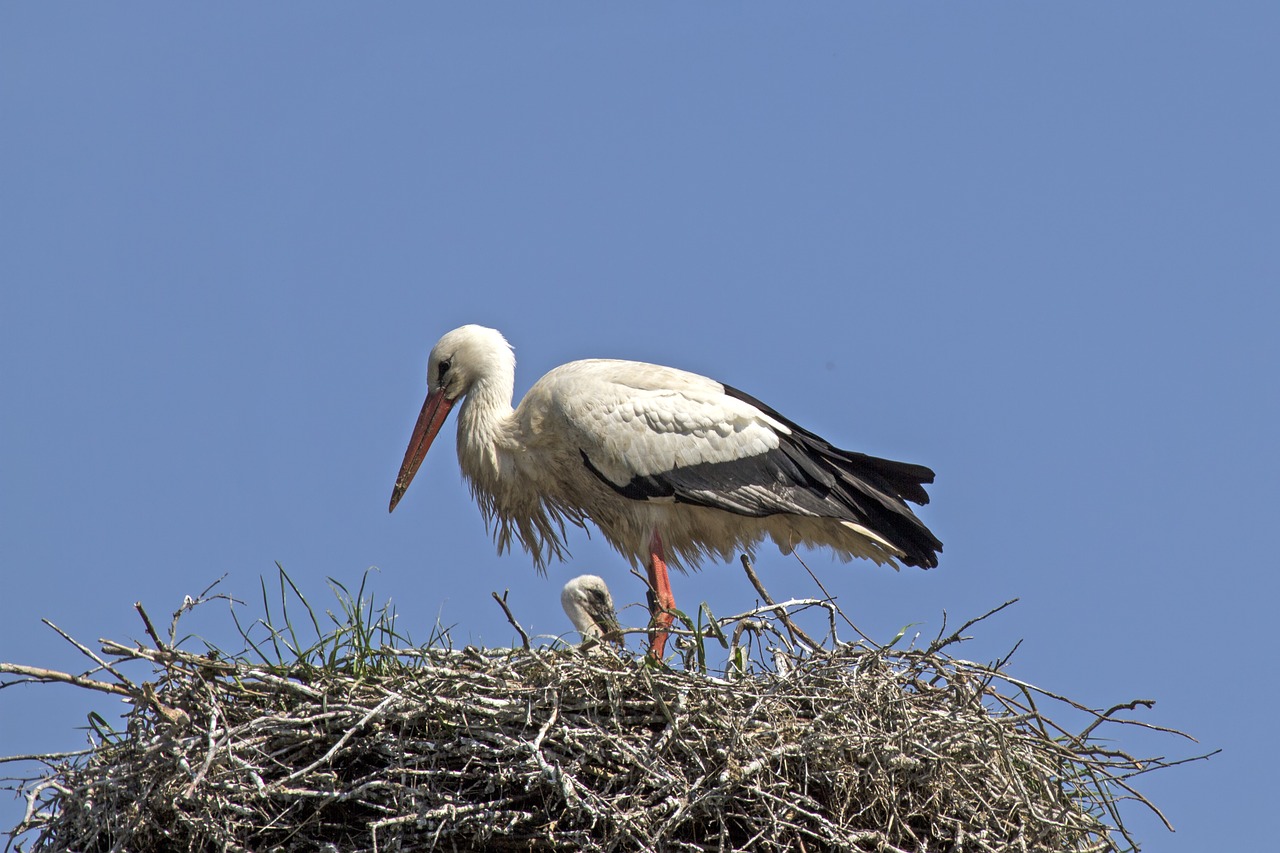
663	602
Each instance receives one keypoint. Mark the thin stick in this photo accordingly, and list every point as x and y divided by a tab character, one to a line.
831	598
782	613
955	637
151	629
502	602
1124	706
36	673
46	757
189	603
89	654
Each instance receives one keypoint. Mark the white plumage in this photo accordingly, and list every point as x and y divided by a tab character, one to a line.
667	464
589	606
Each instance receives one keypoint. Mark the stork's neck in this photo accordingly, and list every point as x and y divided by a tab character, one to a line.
486	427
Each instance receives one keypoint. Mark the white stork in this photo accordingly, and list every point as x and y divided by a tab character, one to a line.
589	605
672	467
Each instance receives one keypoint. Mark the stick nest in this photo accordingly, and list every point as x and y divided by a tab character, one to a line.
847	747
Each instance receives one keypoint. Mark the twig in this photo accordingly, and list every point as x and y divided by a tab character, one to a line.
831	598
1124	706
208	760
956	637
782	613
87	652
502	602
47	756
36	673
151	629
188	603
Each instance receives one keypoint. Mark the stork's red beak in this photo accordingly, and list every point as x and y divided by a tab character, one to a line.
432	417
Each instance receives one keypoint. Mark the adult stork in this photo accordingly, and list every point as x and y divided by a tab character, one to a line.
672	467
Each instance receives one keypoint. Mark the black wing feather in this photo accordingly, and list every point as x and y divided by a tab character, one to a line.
804	473
875	489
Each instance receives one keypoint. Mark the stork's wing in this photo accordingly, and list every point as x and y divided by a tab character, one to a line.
655	433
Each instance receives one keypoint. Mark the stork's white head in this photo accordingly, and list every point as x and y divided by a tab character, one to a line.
589	606
459	360
465	355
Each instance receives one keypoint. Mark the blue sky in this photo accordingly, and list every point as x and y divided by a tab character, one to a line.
1032	246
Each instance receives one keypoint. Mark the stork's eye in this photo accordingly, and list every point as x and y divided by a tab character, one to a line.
442	370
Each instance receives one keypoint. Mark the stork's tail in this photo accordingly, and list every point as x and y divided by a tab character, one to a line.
879	488
872	491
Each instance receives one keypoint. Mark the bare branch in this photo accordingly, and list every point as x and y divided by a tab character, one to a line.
782	613
940	643
502	602
151	629
35	673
